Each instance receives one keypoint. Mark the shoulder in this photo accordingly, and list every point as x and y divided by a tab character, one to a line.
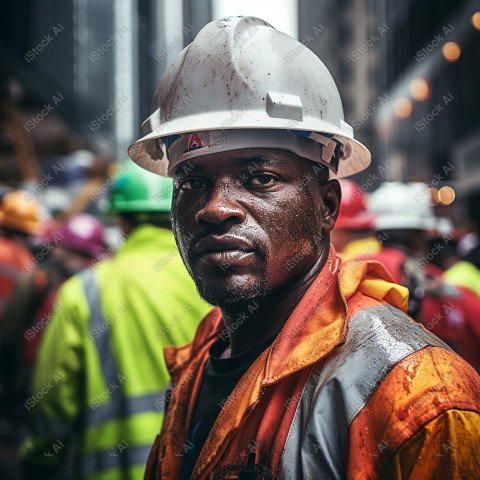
417	379
420	393
378	337
387	332
403	360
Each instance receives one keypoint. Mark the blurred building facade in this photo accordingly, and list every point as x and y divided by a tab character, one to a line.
79	59
342	33
427	65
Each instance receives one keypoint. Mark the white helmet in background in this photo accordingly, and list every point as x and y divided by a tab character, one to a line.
238	76
403	206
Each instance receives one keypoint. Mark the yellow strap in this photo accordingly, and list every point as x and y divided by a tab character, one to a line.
385	292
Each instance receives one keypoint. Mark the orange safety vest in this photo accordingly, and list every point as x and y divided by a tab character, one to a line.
343	391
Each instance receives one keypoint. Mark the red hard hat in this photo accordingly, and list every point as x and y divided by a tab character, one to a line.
353	208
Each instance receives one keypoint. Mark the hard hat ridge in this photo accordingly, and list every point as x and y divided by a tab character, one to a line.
237	74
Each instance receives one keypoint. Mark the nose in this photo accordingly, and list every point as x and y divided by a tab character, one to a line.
221	206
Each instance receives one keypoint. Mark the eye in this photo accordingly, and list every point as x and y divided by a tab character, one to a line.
262	180
193	184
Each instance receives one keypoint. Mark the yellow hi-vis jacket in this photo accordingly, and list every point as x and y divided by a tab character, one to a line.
101	375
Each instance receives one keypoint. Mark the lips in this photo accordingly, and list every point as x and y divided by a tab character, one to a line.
224	245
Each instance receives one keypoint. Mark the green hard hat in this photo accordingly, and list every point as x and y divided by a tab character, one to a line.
137	190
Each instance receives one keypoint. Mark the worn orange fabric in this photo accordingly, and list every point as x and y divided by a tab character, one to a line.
418	387
186	364
257	416
259	411
447	448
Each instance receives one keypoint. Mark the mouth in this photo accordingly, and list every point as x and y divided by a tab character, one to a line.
224	249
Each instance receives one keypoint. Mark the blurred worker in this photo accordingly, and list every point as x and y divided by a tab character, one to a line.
466	272
102	350
68	250
20	219
309	368
353	235
65	251
404	220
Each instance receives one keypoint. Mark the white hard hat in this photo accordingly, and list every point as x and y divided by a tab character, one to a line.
240	73
402	206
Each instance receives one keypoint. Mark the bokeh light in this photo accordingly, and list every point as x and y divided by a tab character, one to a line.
446	195
476	20
451	51
402	108
420	89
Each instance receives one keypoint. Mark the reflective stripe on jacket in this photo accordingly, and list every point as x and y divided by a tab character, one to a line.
101	371
347	386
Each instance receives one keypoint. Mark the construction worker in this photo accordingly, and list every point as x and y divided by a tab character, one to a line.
466	272
308	368
67	250
101	354
404	221
353	235
20	219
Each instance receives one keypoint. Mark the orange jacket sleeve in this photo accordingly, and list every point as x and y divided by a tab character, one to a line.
448	447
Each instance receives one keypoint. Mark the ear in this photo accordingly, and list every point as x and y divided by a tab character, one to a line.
331	196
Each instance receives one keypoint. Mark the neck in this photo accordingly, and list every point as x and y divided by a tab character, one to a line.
251	322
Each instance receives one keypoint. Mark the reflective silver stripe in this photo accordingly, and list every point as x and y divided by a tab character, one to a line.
377	339
97	324
119	405
143	403
119	457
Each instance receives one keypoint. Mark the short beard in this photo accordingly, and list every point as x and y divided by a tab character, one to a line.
229	297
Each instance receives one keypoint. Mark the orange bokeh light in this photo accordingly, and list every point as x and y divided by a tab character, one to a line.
451	51
420	89
402	108
476	20
446	195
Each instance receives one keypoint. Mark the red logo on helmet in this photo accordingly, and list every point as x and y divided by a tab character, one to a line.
194	143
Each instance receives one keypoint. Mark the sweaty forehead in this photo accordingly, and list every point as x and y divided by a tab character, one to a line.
224	162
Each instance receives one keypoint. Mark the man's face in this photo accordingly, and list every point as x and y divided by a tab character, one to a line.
249	222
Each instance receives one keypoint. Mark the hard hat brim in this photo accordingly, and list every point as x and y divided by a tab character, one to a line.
356	156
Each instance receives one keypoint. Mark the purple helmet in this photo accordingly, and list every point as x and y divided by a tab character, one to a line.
84	234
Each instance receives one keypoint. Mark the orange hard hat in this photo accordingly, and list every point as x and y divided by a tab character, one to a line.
353	213
19	211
